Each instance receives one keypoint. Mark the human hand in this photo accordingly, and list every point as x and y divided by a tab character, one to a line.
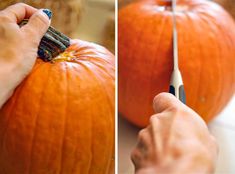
177	141
19	46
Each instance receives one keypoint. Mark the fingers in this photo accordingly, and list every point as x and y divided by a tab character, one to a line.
144	142
17	12
37	25
142	152
164	101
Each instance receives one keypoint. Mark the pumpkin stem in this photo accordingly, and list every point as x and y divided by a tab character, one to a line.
166	3
52	44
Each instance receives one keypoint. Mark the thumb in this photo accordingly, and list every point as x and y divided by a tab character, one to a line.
164	101
38	24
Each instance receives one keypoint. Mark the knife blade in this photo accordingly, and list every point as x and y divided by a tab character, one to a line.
176	82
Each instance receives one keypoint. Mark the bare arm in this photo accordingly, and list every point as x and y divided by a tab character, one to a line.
18	46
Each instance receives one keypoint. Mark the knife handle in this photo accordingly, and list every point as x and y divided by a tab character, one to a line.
181	93
177	86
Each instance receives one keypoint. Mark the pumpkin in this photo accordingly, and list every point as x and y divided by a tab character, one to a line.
206	45
61	117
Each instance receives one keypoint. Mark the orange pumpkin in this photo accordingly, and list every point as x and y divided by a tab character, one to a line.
61	118
206	56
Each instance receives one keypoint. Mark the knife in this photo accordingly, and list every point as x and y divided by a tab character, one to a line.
176	83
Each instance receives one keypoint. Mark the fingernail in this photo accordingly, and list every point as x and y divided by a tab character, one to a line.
40	53
47	12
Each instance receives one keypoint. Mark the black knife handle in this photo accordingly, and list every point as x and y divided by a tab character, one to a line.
181	93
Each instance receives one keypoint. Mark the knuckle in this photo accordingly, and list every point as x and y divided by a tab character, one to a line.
21	4
144	138
141	134
18	5
153	119
134	155
154	122
42	20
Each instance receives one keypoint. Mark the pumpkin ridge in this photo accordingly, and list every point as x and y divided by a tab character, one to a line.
206	19
4	132
75	168
186	39
161	31
12	106
91	147
103	88
201	62
13	103
201	85
223	101
103	70
98	65
190	41
131	51
154	61
199	44
60	170
36	122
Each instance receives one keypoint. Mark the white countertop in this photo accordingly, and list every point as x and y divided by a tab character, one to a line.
222	127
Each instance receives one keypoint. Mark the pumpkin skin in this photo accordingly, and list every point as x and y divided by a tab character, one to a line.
206	43
61	118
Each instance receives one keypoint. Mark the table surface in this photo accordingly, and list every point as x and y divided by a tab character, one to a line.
222	127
